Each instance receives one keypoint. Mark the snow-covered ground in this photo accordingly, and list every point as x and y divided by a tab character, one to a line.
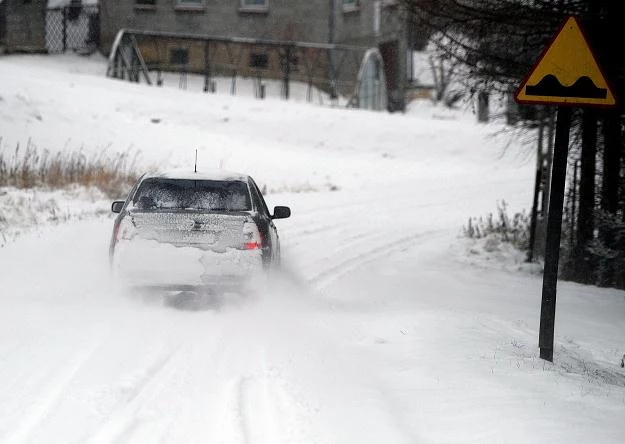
383	327
25	210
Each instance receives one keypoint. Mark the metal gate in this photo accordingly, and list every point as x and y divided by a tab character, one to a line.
75	28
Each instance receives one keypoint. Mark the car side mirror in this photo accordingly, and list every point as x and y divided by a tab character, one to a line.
117	206
281	212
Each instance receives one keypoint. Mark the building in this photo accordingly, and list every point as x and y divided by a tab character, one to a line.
360	23
22	25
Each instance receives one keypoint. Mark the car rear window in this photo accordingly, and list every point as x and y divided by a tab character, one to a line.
183	194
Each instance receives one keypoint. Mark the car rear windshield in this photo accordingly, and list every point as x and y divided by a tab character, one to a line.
183	194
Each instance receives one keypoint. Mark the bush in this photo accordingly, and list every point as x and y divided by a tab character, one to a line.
515	230
608	250
113	173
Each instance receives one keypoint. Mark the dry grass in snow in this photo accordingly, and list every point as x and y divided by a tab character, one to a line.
112	173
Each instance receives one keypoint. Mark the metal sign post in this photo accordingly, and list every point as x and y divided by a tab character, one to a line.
554	231
566	74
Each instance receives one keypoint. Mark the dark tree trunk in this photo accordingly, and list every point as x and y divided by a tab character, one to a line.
609	191
584	266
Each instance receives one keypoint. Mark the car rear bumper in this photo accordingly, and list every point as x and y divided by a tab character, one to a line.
154	264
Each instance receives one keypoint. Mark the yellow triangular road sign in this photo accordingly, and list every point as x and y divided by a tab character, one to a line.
566	73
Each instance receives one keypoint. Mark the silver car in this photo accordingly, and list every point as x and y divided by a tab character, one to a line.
178	229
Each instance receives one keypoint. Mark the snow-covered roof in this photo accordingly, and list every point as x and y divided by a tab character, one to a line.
202	174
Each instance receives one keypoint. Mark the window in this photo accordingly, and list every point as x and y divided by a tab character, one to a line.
259	61
190	4
257	196
186	194
148	4
255	5
179	56
350	5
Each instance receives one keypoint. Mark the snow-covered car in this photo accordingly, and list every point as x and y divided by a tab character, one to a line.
178	229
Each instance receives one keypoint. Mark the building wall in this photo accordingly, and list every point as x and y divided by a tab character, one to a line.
2	25
284	20
304	20
25	24
301	20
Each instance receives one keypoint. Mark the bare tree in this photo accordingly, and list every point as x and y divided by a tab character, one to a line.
495	43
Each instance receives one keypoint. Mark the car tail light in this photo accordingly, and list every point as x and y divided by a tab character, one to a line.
252	238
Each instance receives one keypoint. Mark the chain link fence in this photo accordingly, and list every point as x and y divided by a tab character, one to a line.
73	28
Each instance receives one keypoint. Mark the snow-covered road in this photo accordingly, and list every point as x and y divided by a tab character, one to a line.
269	367
380	328
263	368
370	335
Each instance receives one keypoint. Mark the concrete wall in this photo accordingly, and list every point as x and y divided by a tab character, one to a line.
24	25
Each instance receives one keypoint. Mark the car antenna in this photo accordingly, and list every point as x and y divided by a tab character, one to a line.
195	170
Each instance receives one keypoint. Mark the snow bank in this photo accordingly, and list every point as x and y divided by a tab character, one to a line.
21	210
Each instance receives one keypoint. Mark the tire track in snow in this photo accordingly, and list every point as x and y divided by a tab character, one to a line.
311	230
119	425
243	409
365	239
319	264
364	247
259	410
57	389
355	261
195	393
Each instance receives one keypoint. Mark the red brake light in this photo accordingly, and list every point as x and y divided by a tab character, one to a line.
252	239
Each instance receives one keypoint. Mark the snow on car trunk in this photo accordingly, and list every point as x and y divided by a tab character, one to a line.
211	231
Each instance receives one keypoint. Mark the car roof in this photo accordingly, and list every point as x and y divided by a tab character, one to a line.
201	174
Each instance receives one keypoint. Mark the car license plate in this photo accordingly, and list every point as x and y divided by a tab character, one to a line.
201	237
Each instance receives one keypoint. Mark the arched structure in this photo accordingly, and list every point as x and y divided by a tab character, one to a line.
371	92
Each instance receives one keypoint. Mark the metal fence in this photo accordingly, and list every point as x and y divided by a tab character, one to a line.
332	69
73	28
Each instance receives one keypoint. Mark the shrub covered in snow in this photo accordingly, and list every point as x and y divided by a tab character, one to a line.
499	240
500	228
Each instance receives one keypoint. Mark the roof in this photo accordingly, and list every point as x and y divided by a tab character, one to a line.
202	174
